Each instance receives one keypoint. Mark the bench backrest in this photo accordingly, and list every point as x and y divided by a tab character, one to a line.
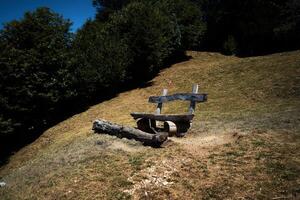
193	97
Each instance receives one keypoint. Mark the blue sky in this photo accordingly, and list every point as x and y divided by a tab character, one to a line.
78	11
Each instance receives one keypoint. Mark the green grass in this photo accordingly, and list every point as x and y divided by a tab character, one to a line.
136	161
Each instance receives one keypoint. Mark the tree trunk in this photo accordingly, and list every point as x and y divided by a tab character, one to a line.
102	126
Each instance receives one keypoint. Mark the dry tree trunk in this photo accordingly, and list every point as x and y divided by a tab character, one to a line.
103	126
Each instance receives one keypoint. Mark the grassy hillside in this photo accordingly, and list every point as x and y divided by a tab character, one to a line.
244	143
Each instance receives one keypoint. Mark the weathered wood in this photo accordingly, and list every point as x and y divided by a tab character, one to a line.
159	105
103	126
193	103
182	128
146	125
168	117
173	123
170	127
178	96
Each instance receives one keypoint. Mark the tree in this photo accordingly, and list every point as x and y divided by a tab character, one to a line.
287	32
132	45
255	26
186	13
35	70
107	7
189	18
102	59
151	34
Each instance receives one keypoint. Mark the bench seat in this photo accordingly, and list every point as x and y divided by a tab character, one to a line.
164	117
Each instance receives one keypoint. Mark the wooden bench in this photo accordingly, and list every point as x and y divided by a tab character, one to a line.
174	124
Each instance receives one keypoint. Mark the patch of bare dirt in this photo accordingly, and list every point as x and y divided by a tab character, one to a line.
200	144
126	145
157	175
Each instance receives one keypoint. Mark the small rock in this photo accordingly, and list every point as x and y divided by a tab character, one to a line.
165	183
2	184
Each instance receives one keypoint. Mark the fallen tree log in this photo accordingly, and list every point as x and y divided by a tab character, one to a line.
103	126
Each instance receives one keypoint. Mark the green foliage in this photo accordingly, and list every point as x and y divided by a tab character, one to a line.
43	67
152	36
102	58
35	66
189	18
131	45
257	26
185	13
107	7
154	31
136	161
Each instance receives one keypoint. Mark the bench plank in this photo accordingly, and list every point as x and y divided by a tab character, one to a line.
160	117
178	96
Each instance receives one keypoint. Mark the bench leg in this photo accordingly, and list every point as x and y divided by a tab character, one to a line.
146	125
182	128
176	128
170	127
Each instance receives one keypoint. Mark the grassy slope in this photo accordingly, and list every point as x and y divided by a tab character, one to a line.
244	143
